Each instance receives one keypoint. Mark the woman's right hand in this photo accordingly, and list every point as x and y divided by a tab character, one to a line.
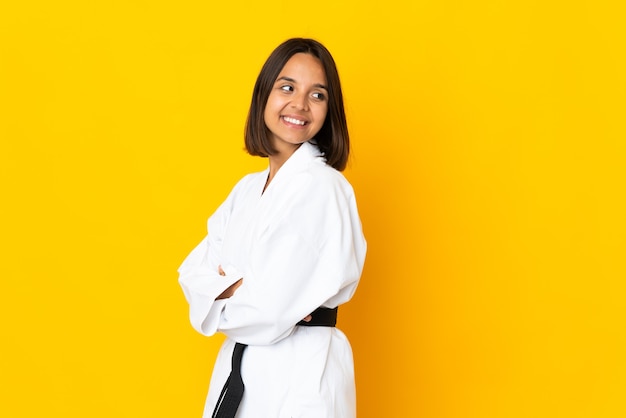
231	289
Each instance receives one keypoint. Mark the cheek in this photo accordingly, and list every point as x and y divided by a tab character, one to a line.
271	107
321	114
267	113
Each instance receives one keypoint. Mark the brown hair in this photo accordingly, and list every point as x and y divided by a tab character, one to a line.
332	139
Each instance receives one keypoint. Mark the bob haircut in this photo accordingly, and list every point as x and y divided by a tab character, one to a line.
332	139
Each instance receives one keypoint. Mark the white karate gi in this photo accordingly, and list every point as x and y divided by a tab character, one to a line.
297	246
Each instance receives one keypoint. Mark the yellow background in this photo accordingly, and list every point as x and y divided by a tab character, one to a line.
489	164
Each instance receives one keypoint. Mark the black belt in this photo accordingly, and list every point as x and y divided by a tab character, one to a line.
321	317
231	395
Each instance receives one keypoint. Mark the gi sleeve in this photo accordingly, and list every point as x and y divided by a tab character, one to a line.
198	274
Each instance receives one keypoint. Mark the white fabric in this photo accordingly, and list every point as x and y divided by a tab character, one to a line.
297	246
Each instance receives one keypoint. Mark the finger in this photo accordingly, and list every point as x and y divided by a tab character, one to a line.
308	318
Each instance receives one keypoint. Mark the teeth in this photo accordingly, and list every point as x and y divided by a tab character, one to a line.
294	121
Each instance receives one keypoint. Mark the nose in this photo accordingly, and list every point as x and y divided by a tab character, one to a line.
300	101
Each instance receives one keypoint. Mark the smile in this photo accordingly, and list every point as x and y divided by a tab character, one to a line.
294	121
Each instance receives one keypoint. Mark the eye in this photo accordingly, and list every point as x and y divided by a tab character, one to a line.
319	96
287	88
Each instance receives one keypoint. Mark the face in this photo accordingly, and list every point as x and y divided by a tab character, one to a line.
298	102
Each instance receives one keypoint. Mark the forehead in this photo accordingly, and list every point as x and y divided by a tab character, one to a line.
304	68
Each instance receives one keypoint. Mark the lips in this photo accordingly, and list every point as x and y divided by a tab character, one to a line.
294	121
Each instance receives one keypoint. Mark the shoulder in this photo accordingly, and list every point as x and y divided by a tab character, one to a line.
248	182
244	187
250	179
327	179
324	206
318	191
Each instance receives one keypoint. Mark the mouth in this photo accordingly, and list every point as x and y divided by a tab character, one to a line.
294	121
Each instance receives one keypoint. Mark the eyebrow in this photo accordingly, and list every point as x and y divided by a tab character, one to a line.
291	80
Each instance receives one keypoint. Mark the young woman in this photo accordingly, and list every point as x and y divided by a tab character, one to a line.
283	251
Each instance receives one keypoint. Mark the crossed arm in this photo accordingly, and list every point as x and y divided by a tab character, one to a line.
233	287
